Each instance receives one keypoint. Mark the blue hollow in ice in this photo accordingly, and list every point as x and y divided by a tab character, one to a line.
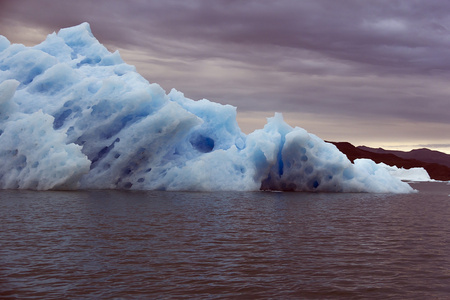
73	115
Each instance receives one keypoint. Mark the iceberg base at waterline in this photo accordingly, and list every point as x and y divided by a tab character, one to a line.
74	116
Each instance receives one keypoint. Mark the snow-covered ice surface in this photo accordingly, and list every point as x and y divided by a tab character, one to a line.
73	115
412	174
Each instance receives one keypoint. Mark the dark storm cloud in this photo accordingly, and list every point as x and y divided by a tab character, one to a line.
400	36
374	59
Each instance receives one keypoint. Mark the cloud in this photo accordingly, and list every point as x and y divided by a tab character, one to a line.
434	145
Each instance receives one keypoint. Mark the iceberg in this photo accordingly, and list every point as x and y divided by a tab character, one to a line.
75	116
416	174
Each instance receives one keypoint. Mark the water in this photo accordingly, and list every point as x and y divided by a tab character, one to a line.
106	244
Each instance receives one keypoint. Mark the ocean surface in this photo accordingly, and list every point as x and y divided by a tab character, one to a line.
164	245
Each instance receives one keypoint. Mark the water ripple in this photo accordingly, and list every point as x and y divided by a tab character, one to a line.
104	244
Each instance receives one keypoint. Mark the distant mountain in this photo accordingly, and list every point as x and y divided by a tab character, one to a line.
423	154
424	158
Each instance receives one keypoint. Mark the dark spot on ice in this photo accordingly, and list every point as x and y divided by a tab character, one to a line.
141	180
37	70
102	153
119	123
315	183
128	185
89	61
102	110
202	143
69	103
60	118
21	162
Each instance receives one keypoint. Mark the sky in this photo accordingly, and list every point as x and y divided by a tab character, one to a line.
374	73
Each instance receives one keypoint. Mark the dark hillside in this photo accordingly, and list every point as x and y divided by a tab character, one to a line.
436	171
424	154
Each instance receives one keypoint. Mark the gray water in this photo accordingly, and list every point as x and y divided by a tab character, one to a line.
147	245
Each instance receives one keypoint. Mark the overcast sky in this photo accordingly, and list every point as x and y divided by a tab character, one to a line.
368	72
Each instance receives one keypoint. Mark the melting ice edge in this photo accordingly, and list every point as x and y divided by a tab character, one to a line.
75	116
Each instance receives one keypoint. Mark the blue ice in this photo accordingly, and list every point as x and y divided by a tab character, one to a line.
75	116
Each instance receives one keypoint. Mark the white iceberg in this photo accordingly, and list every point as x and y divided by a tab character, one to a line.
73	115
413	174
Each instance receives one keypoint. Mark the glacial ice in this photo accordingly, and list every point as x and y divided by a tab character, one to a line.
75	116
413	174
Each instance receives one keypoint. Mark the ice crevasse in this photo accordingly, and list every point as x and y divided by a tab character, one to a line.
74	116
